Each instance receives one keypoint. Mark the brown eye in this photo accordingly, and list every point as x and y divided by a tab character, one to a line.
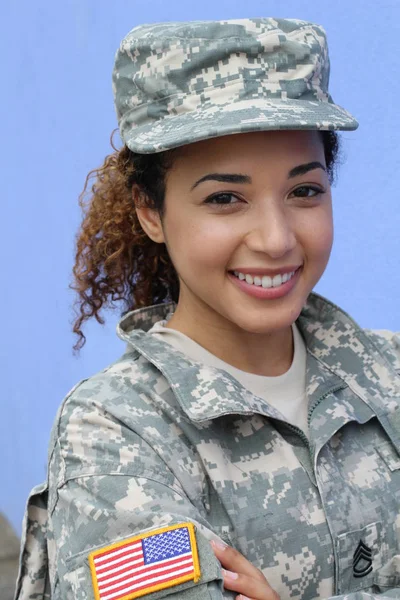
222	199
307	191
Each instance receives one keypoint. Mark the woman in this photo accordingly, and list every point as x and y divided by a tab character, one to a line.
246	411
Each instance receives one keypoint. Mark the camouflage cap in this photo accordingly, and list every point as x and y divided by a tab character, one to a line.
180	82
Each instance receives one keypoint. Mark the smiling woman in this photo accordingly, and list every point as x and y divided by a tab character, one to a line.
266	230
246	410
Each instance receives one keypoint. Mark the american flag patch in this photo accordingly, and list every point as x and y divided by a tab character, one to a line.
145	563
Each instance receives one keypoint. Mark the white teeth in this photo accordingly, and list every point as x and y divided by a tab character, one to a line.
266	281
277	280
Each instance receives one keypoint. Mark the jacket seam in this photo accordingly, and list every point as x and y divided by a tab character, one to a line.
183	495
143	475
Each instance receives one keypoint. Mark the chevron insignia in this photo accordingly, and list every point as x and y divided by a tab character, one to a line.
362	560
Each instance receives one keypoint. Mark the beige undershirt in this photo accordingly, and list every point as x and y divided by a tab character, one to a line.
285	392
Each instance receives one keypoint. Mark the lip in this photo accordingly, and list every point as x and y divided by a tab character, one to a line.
270	272
266	293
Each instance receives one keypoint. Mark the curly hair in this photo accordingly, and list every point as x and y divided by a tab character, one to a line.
115	260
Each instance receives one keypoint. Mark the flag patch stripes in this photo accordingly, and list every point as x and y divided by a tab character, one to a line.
152	561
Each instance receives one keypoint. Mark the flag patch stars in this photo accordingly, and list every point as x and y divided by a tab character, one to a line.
145	563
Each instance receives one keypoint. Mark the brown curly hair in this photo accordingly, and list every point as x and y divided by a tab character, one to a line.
115	260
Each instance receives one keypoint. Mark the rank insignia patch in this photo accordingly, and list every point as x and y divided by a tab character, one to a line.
145	563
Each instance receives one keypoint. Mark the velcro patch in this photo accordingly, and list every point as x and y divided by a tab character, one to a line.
152	561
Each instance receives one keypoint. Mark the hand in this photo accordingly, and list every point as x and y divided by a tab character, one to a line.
241	576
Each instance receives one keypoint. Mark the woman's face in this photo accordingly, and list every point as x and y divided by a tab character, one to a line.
258	204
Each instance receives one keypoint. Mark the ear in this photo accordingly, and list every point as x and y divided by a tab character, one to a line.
150	221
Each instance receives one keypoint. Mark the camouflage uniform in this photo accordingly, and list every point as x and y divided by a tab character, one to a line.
156	439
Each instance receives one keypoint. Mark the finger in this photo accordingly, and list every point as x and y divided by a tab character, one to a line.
248	586
242	597
232	560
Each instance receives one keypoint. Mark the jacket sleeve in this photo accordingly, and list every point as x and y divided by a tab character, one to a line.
100	511
107	485
32	581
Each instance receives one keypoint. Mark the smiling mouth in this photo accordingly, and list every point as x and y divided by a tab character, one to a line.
264	281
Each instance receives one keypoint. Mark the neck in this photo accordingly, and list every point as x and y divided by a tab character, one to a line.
268	354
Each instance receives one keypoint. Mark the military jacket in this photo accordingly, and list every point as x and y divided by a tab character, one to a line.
157	439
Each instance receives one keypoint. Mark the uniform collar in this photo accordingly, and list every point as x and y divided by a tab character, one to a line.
344	349
203	392
340	354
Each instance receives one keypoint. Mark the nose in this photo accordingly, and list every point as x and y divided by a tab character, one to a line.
271	232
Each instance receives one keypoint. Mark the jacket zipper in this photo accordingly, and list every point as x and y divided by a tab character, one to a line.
301	433
340	386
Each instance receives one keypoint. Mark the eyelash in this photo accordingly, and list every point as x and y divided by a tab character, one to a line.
318	191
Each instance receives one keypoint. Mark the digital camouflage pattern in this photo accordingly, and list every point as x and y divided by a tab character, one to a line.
180	82
158	439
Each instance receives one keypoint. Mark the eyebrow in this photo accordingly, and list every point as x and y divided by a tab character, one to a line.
236	178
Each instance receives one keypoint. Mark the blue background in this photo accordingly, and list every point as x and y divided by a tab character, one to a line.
57	117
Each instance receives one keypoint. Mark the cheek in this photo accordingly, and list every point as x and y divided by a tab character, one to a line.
207	242
321	240
316	232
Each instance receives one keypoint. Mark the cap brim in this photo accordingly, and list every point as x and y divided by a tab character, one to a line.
239	117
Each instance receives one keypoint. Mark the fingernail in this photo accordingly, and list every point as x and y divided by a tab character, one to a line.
243	597
218	544
229	574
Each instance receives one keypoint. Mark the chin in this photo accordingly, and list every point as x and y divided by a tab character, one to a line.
264	324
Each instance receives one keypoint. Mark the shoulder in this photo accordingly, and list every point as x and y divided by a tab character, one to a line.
112	422
112	390
97	392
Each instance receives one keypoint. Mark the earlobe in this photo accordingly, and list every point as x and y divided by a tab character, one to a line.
150	220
